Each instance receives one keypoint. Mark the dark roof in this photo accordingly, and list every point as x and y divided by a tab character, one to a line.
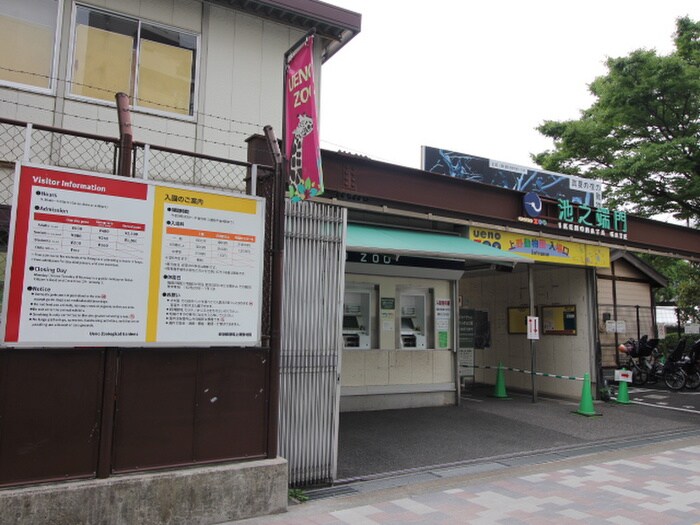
335	24
657	280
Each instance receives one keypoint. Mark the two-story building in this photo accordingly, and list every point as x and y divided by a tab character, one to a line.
201	76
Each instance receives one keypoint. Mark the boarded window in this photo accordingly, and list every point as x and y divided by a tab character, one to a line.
28	29
153	64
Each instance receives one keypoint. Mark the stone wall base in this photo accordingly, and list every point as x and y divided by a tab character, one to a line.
200	495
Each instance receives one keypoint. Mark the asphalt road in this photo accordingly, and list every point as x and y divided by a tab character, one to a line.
377	444
660	397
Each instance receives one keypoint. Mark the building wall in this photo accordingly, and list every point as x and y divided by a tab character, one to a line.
240	81
569	355
385	376
634	302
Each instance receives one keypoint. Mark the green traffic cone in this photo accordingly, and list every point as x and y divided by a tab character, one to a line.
500	389
623	396
585	408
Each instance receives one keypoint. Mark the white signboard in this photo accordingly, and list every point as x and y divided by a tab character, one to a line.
692	328
612	326
623	375
533	327
103	260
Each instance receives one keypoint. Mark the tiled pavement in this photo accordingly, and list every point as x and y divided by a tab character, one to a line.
648	485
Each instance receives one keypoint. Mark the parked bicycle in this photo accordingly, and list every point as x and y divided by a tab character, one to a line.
682	369
673	374
644	359
691	367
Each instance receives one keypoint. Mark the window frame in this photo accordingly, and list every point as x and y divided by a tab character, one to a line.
136	71
51	90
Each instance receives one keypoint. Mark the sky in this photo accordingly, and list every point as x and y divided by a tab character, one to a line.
477	76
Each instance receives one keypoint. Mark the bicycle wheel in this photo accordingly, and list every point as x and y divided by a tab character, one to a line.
674	379
692	381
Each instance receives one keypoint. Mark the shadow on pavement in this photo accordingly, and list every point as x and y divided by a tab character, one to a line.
481	428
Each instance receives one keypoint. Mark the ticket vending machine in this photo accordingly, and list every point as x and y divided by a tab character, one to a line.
413	321
357	319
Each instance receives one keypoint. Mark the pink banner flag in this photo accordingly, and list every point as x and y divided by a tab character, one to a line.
301	139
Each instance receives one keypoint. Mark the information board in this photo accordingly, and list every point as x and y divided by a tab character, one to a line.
99	260
559	320
466	341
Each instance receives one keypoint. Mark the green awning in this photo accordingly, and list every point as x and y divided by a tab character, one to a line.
378	239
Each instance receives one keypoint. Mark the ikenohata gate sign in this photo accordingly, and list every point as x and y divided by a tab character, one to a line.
98	260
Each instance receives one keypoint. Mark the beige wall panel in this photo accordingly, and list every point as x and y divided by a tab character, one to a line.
400	367
605	295
8	103
421	366
376	367
625	269
247	60
34	108
187	14
157	10
633	294
277	40
352	371
443	366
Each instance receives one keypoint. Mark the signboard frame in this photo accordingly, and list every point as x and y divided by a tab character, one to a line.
517	319
557	320
234	220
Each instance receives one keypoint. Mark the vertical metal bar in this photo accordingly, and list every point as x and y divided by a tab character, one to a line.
614	298
533	360
27	153
109	396
639	328
455	341
254	179
276	295
147	160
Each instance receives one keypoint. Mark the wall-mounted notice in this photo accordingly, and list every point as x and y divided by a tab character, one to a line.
98	260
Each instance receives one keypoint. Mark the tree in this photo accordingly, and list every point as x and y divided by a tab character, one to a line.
641	136
683	285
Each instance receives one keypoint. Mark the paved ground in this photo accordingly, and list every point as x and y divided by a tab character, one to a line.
512	461
374	443
659	396
652	484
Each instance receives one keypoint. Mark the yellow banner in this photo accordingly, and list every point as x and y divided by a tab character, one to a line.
543	249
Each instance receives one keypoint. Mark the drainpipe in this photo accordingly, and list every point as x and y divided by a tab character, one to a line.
125	134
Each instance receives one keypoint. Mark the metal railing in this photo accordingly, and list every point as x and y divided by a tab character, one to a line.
22	141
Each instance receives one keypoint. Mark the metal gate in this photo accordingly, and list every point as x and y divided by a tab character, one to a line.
314	280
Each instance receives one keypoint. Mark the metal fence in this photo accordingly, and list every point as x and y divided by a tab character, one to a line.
312	338
21	141
633	322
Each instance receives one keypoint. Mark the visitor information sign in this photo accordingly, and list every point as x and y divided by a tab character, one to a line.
99	260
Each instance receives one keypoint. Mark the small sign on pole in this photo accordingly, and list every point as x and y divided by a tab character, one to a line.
533	327
623	375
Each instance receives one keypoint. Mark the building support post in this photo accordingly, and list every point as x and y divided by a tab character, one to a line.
533	359
276	293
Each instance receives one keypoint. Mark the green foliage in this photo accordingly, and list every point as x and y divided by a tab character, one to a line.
669	343
298	495
683	284
641	136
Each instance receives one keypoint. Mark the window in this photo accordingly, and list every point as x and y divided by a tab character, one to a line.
155	65
28	29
